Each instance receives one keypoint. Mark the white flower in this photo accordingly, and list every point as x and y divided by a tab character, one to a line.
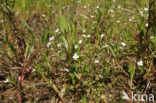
49	43
98	7
85	6
102	35
140	63
6	81
123	44
59	45
114	0
146	9
119	6
57	30
141	12
79	1
147	15
111	11
75	57
96	61
76	46
65	69
59	52
110	95
146	25
33	70
118	21
88	35
84	35
80	41
91	16
84	30
52	38
68	6
11	97
152	37
43	15
130	19
121	48
105	46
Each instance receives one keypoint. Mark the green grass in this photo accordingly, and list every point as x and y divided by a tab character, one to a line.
75	51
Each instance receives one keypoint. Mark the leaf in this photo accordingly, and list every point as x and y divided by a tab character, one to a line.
65	42
63	24
27	49
132	71
45	36
12	48
84	99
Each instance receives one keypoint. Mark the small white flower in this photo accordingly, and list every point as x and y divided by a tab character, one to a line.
146	9
33	70
102	35
52	38
105	46
147	15
146	24
76	46
65	69
80	41
98	7
59	52
59	45
84	35
118	21
152	37
11	97
110	95
43	15
79	1
49	43
130	19
68	6
112	16
75	56
96	61
141	12
57	30
121	48
91	16
6	81
88	35
140	63
119	6
123	44
111	11
85	6
84	30
114	0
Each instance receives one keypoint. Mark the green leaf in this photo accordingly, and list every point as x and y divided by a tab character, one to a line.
132	71
84	99
63	24
65	42
12	48
27	49
45	36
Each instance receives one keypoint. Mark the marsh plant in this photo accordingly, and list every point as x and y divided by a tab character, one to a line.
73	51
